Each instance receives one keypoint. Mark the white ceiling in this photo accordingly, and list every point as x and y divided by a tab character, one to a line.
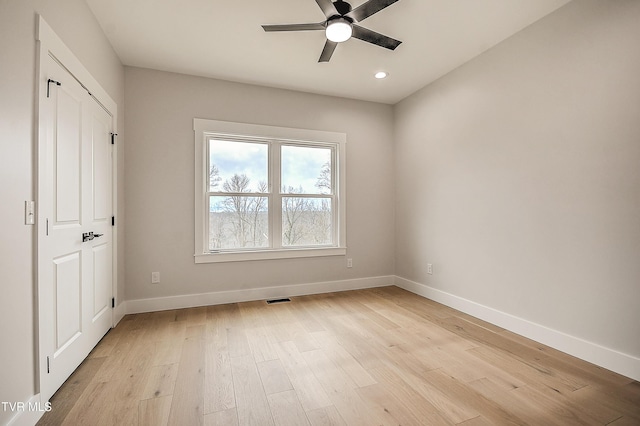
224	40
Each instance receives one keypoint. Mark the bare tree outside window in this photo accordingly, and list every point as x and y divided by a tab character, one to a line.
323	183
293	210
239	221
214	178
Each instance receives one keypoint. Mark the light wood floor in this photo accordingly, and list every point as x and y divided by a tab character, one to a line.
369	357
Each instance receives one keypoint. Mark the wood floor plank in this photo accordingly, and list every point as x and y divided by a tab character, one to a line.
357	346
477	421
187	405
325	416
128	387
286	409
304	382
251	401
378	398
161	382
341	392
274	377
113	363
222	418
117	396
304	340
96	395
192	316
260	344
585	401
106	345
303	312
523	370
523	408
168	347
238	342
252	313
624	421
218	321
155	411
219	392
341	357
451	407
554	409
607	401
466	396
412	400
64	400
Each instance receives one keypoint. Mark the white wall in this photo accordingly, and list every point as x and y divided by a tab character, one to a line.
160	182
518	177
74	23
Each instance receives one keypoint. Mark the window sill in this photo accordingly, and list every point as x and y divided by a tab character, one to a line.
269	254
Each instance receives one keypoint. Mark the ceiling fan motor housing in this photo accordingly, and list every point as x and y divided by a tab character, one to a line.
342	7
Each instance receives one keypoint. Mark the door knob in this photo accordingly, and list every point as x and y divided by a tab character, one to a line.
88	236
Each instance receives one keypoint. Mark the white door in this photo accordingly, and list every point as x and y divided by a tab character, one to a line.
75	198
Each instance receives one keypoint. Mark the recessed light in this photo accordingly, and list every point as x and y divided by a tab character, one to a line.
381	74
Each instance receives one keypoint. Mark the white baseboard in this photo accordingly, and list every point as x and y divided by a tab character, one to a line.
30	412
610	359
246	295
119	312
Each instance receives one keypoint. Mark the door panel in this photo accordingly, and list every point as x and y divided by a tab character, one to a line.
101	280
67	151
68	306
101	146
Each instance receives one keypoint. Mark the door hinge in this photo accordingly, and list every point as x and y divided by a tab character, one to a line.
113	221
113	302
47	227
113	138
57	83
48	365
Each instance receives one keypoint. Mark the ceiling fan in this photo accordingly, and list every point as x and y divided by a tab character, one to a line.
340	25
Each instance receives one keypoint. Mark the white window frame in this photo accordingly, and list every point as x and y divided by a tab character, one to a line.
276	136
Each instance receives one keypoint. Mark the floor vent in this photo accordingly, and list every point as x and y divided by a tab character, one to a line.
274	301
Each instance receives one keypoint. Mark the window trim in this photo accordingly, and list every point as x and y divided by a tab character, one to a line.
204	129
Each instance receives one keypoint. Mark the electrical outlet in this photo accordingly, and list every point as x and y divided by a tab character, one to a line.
155	277
429	268
349	263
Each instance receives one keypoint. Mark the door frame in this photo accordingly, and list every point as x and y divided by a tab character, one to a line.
50	45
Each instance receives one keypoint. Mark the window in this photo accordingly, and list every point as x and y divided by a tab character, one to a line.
267	192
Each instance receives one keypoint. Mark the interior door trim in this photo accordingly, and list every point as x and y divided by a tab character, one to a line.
50	45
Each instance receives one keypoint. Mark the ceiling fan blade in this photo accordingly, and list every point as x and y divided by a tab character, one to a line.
294	27
329	47
367	9
373	37
328	8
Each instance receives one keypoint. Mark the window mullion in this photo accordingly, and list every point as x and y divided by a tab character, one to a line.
275	201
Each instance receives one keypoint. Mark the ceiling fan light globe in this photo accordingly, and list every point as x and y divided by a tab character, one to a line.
339	30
